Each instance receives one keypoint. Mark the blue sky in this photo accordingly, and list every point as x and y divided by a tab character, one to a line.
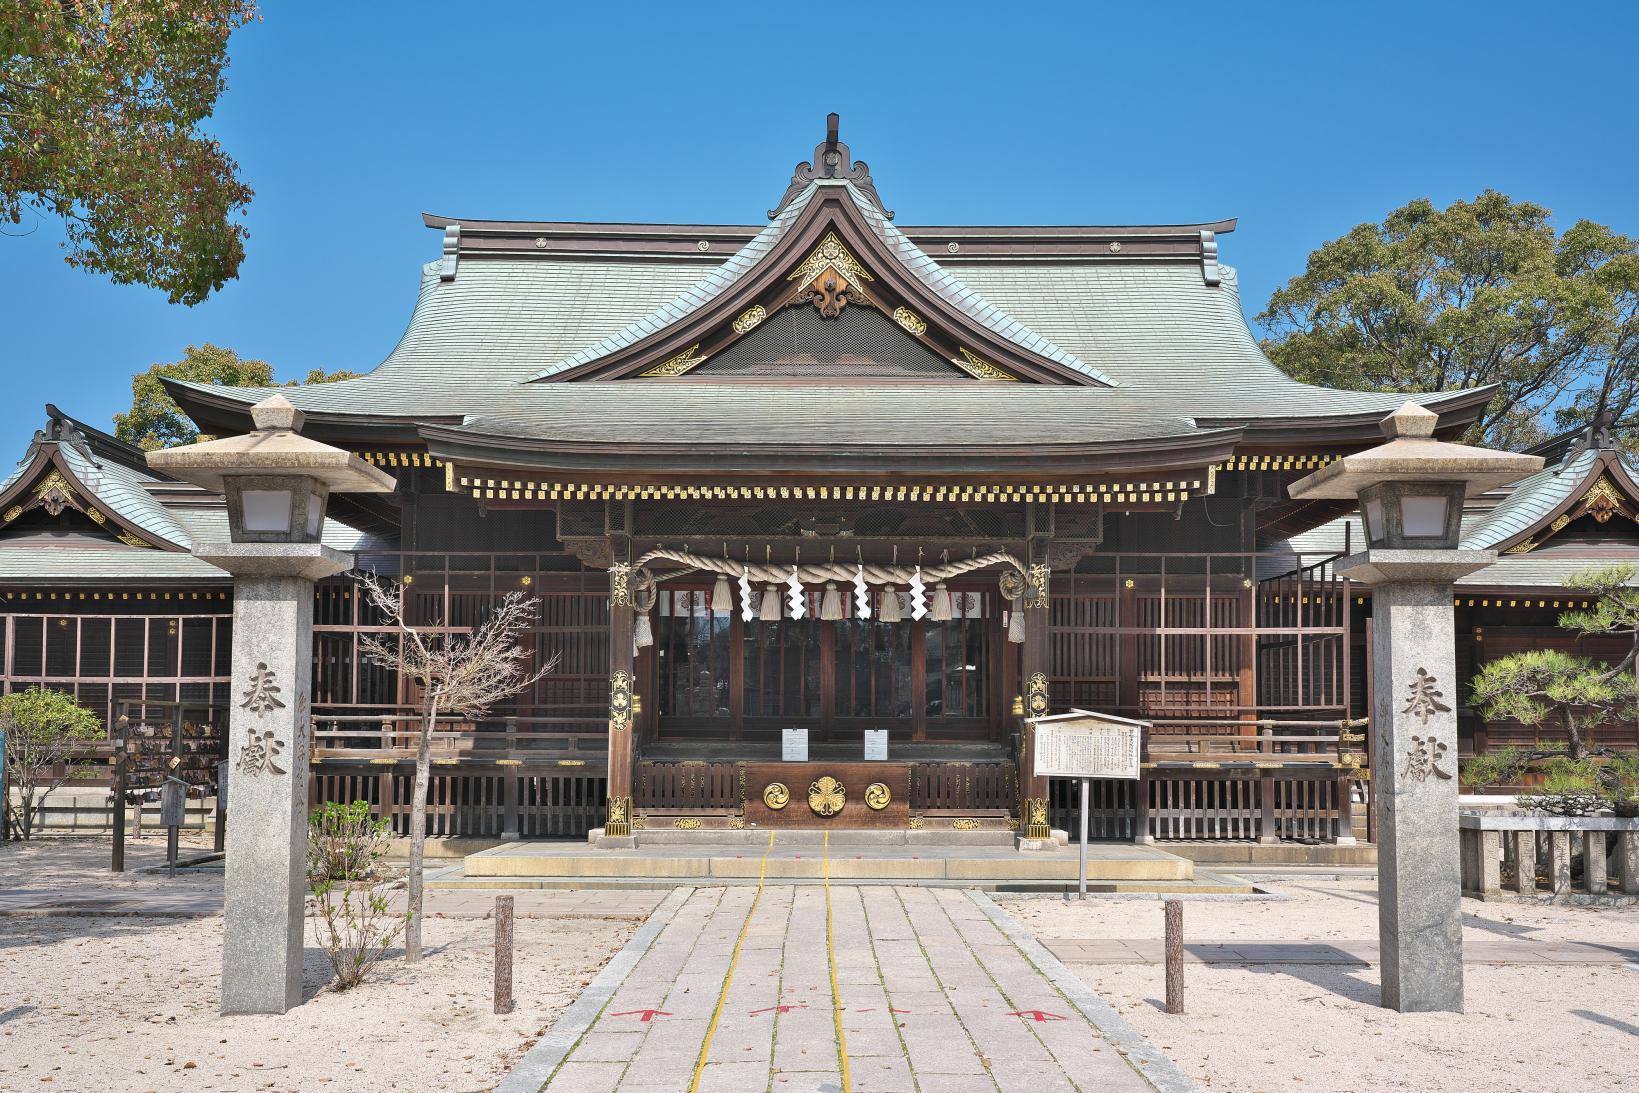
349	120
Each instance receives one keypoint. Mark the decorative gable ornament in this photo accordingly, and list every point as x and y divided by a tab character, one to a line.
1603	501
831	160
832	276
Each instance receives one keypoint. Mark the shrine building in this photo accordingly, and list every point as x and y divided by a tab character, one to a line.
795	484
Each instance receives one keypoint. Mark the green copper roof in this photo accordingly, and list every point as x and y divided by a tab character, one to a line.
1170	342
36	562
122	491
940	281
958	414
1529	501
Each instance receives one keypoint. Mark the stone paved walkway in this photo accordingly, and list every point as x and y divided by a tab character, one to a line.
931	996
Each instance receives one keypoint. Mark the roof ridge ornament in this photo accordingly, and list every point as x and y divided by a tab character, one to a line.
831	160
60	431
1597	436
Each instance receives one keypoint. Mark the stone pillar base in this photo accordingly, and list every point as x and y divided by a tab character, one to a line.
1028	844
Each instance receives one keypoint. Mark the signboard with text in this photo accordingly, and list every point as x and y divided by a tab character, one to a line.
1082	744
794	745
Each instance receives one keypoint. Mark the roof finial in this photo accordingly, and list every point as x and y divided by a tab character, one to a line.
831	160
1411	420
276	414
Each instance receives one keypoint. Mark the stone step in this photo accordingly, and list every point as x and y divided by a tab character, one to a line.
1202	884
1113	862
709	840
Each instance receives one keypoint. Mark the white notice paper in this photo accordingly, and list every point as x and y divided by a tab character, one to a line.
876	743
1082	744
794	745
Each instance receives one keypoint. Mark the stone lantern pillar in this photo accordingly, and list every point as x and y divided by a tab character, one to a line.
1411	492
277	483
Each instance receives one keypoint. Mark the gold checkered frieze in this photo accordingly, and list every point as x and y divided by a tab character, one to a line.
1269	461
399	459
498	488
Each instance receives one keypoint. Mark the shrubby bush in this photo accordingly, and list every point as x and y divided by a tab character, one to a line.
355	924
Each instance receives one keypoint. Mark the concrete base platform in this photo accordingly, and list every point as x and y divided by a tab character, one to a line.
1202	884
1110	867
1247	855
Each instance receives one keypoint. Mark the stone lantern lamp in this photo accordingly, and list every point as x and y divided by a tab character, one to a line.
1411	492
277	484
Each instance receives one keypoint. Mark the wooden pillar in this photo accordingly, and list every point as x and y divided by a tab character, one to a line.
1037	607
618	823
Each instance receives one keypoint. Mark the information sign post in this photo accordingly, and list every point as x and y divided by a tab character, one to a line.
1086	745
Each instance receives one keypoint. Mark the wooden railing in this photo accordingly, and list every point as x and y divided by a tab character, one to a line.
393	736
963	787
498	802
687	784
1231	780
1214	805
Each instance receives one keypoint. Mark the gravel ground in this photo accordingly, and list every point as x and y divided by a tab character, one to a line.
116	1003
1530	1028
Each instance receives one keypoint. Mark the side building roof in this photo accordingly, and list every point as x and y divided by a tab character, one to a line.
82	509
1587	491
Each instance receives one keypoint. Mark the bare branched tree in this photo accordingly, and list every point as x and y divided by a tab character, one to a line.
460	674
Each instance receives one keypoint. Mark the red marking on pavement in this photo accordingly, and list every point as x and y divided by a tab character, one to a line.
892	1010
782	1008
643	1015
1037	1015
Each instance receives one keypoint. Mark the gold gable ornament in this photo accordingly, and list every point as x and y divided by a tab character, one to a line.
831	276
686	361
981	369
1603	500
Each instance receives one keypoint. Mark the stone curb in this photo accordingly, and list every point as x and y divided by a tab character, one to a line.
1260	896
1160	1071
541	1061
183	863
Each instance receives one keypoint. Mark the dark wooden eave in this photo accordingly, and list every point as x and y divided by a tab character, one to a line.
558	239
748	460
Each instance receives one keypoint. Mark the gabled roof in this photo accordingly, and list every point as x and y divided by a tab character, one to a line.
62	471
1590	478
825	212
148	523
1587	476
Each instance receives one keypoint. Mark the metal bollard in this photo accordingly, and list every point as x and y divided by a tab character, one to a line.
503	954
1175	956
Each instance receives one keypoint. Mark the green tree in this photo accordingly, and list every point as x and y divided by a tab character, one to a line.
156	421
1574	693
1480	292
100	108
43	728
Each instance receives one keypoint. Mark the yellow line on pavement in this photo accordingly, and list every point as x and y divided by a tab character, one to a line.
831	958
728	979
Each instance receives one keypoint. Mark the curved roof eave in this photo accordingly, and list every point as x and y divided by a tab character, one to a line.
1174	452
